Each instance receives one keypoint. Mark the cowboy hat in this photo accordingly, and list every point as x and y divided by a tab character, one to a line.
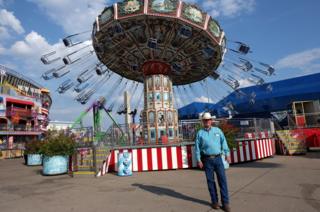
206	116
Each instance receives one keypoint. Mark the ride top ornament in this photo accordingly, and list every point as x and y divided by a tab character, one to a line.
162	44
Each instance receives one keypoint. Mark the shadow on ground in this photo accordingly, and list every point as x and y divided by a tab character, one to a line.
38	171
308	191
169	192
257	164
312	154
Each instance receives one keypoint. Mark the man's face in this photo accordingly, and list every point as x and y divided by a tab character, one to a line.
207	123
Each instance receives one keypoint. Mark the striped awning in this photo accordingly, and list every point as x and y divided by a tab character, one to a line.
20	101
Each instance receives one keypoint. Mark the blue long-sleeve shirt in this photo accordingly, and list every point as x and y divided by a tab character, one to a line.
208	142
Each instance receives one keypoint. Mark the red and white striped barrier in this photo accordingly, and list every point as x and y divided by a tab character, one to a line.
260	135
183	157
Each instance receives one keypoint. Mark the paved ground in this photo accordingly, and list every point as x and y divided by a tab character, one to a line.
274	184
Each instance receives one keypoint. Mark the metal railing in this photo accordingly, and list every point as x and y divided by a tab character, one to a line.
133	135
83	136
305	120
19	127
91	151
292	121
188	129
14	111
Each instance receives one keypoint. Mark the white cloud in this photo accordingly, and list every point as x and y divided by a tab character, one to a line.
245	83
302	60
226	8
2	49
79	16
203	99
4	34
33	44
235	7
26	53
8	20
73	16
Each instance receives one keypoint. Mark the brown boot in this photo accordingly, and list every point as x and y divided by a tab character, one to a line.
215	206
226	208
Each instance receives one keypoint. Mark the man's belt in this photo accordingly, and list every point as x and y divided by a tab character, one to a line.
210	156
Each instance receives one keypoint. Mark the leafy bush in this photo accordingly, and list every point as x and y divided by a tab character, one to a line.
58	144
33	147
230	132
197	127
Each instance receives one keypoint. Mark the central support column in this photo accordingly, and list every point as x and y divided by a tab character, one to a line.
127	105
160	118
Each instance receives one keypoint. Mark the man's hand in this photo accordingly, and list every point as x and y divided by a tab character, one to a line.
200	164
228	159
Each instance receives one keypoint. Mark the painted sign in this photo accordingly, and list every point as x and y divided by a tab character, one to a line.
125	164
192	13
106	15
29	90
213	28
164	6
129	7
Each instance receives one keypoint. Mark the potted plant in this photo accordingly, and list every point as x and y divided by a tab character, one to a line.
56	151
32	152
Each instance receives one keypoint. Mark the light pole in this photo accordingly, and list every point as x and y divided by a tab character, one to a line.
2	74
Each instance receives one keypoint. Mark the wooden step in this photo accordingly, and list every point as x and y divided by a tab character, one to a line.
84	173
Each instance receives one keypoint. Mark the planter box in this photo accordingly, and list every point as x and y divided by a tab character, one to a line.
55	165
34	160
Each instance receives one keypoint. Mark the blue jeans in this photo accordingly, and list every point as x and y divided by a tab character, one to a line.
212	165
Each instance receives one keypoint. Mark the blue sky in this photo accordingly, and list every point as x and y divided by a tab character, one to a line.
284	33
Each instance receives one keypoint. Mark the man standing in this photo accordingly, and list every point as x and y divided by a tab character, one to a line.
210	144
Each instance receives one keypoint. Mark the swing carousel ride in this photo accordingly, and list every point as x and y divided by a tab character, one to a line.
168	50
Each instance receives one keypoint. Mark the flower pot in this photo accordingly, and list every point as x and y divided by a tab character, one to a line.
34	159
55	165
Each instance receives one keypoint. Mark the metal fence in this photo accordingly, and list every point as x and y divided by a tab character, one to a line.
18	127
83	136
92	151
306	120
133	135
188	129
122	135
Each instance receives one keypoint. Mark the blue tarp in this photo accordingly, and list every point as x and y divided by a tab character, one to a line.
280	98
